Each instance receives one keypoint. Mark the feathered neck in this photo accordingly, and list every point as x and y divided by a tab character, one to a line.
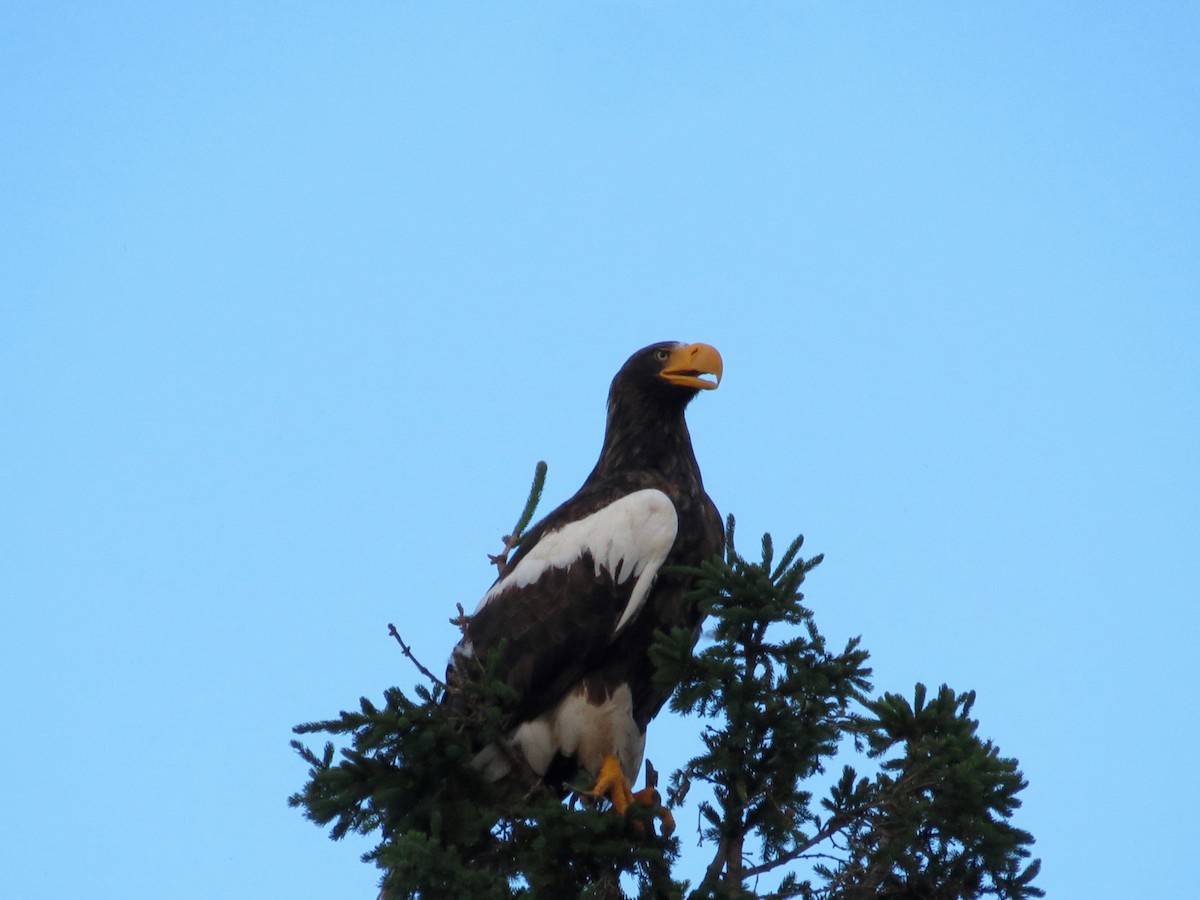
648	434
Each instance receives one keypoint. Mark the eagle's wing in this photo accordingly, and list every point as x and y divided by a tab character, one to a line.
569	595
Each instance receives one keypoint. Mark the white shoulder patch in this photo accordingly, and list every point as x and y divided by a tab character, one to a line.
629	538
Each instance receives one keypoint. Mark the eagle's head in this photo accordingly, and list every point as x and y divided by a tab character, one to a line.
669	373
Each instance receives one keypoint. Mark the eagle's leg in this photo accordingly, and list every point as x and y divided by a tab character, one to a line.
611	783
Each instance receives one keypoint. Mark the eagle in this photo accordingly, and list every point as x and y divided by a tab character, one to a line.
573	614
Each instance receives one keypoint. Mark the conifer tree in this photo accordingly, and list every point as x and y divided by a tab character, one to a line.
774	706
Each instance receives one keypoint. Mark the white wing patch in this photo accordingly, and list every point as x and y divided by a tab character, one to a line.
630	537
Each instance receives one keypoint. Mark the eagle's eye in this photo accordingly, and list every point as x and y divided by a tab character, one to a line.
662	355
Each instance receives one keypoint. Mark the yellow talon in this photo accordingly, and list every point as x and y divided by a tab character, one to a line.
611	784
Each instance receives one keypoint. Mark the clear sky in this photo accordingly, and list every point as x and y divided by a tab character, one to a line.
293	297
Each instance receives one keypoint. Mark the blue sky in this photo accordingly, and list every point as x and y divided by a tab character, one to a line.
292	297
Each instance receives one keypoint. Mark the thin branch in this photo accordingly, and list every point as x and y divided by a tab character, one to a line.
416	662
712	876
833	826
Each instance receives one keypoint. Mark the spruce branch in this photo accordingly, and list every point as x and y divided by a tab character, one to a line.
500	560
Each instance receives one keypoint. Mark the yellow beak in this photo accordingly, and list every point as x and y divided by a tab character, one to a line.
688	362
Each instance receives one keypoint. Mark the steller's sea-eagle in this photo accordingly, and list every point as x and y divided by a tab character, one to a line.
577	606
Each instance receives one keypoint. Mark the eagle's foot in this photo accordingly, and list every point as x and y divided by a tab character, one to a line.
611	784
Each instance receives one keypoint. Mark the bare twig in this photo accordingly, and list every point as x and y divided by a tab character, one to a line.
461	620
500	560
408	652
